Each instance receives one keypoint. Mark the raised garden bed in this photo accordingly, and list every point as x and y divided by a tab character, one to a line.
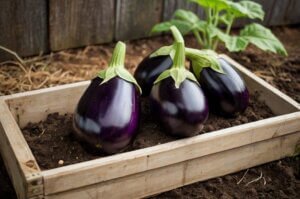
150	170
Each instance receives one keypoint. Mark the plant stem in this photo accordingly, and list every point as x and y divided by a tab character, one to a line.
179	58
118	56
209	16
228	29
198	37
176	34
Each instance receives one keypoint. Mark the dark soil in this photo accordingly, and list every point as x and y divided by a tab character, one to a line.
282	177
63	149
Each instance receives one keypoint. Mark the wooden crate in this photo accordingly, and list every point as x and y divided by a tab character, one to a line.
146	171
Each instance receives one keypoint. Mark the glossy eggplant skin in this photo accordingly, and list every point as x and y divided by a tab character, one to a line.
107	115
149	69
227	93
182	111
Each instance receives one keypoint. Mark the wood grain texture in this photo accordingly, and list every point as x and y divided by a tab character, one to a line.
278	13
292	14
135	18
75	23
23	25
44	101
122	165
36	105
146	171
21	165
170	6
199	169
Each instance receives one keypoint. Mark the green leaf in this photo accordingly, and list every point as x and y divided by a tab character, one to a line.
225	18
252	10
233	43
216	4
201	25
191	76
263	38
197	67
183	26
177	74
212	30
165	50
186	15
126	75
202	59
162	76
107	74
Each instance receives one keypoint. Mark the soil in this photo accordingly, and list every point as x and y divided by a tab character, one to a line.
63	149
280	179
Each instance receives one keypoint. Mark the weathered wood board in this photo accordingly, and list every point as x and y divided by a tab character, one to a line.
23	26
135	18
75	23
146	171
292	14
33	26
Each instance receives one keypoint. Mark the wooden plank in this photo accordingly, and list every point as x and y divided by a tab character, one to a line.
103	169
277	101
37	104
199	169
170	6
278	13
75	23
34	106
292	14
135	18
23	26
21	165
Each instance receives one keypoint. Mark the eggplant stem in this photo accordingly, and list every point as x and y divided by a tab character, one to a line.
118	56
179	58
176	34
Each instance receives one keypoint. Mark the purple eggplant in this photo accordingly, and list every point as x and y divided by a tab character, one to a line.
176	97
149	69
227	93
107	115
182	110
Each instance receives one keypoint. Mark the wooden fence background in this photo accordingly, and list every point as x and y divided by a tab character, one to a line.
30	27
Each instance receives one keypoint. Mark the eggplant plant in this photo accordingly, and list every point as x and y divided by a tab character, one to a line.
225	89
107	115
176	98
220	13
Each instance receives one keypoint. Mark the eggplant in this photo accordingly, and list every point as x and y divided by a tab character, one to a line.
149	69
176	98
107	115
182	111
226	92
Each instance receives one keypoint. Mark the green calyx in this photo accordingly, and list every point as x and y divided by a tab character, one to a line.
116	67
203	59
200	58
178	71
